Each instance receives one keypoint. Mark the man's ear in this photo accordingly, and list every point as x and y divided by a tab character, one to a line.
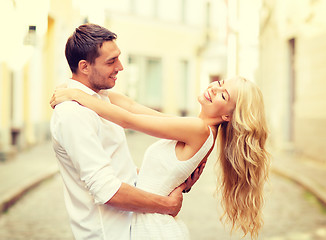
226	118
83	67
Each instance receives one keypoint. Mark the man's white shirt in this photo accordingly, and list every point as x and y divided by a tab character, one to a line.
93	159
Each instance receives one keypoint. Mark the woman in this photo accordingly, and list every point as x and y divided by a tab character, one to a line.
234	110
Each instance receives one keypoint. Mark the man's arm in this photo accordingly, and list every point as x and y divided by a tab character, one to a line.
130	198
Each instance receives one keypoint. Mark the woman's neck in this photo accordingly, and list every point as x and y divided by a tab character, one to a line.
211	121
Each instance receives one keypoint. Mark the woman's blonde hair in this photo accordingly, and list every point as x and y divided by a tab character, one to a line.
244	160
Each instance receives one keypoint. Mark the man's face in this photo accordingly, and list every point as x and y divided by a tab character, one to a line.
103	72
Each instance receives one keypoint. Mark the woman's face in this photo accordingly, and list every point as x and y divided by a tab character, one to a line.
219	99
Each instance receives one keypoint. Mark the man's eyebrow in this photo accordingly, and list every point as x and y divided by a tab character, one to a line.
110	59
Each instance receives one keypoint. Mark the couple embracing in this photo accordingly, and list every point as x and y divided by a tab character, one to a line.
106	196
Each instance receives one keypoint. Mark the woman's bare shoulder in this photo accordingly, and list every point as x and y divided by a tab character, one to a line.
201	131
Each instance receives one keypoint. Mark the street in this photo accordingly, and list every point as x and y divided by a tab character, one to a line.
290	212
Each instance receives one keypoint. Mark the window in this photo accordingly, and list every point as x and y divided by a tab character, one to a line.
145	80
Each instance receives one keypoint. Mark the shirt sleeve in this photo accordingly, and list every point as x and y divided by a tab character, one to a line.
76	130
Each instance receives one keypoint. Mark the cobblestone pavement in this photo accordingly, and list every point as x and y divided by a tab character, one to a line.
290	213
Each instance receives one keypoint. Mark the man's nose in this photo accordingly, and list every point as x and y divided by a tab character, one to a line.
119	66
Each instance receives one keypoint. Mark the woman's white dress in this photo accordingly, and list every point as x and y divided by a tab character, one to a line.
161	173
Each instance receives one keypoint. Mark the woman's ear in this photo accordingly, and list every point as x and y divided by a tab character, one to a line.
226	118
83	66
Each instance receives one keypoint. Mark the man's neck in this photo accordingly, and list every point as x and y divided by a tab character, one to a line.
83	80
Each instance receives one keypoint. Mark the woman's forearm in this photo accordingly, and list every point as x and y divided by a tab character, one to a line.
132	106
105	109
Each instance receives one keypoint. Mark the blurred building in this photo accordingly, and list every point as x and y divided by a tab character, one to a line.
243	38
171	50
292	73
31	62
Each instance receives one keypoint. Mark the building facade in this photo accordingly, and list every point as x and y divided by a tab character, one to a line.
292	74
30	66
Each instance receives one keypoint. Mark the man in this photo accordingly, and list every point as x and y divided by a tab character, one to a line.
94	160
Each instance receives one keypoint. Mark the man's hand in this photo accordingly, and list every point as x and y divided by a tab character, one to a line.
176	197
192	179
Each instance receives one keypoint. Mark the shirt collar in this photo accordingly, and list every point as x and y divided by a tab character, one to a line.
75	84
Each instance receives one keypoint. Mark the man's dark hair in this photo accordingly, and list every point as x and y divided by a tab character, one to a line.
85	42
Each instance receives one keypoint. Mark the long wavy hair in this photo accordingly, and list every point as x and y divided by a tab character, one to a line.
244	161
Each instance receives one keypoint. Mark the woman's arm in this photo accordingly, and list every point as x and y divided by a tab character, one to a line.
185	129
132	106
